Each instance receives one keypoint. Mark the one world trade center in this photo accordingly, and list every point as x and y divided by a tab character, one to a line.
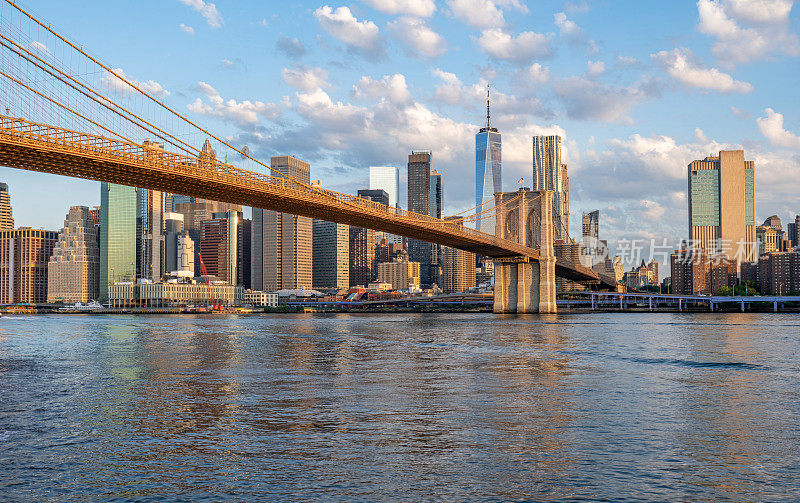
488	173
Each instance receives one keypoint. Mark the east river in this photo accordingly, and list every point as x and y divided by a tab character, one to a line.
411	407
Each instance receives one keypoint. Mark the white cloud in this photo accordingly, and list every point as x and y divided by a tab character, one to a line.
245	114
207	10
186	29
151	87
761	11
305	78
418	37
513	109
535	73
226	63
477	13
595	68
520	49
681	66
449	91
291	47
627	61
391	87
742	114
769	30
771	127
585	99
342	25
417	8
38	46
565	26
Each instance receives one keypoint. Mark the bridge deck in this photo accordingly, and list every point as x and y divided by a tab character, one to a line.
38	147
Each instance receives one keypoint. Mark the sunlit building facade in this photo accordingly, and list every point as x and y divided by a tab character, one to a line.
117	236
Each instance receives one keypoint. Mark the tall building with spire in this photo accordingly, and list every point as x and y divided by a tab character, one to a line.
488	169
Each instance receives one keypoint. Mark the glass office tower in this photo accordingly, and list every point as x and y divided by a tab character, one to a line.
117	236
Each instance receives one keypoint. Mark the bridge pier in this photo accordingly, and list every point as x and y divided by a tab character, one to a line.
522	285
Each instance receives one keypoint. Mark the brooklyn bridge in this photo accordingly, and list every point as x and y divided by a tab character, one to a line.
67	113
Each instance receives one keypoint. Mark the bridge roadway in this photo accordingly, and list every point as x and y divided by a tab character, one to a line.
49	149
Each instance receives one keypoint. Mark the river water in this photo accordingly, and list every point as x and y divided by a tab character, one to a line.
428	407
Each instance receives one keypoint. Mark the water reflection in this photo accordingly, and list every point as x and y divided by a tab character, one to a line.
463	407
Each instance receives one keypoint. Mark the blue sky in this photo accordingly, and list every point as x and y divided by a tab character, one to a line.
637	89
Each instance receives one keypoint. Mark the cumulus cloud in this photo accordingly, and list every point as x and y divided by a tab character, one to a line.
523	48
532	75
360	36
477	13
305	79
681	65
771	127
586	99
245	114
418	37
207	10
290	47
513	109
574	34
595	68
391	87
416	8
747	30
186	29
114	83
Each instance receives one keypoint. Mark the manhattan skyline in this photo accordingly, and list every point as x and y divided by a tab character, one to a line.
629	126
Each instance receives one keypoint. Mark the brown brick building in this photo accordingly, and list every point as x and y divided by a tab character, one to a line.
24	254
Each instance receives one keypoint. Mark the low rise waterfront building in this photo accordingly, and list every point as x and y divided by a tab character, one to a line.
258	298
174	294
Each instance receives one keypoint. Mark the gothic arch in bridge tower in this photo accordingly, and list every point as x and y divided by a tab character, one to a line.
524	285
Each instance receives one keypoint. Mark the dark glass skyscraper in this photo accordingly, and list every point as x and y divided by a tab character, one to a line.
419	201
488	170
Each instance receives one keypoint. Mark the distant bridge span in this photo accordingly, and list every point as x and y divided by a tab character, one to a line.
49	149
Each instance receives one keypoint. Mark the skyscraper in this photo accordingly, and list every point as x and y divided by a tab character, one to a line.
6	217
550	173
225	247
590	223
488	170
377	195
458	267
793	231
419	201
437	200
74	268
173	226
149	223
437	195
331	261
117	236
24	254
722	205
282	244
386	178
362	256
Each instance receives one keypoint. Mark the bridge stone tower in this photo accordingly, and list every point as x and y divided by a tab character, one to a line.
522	285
